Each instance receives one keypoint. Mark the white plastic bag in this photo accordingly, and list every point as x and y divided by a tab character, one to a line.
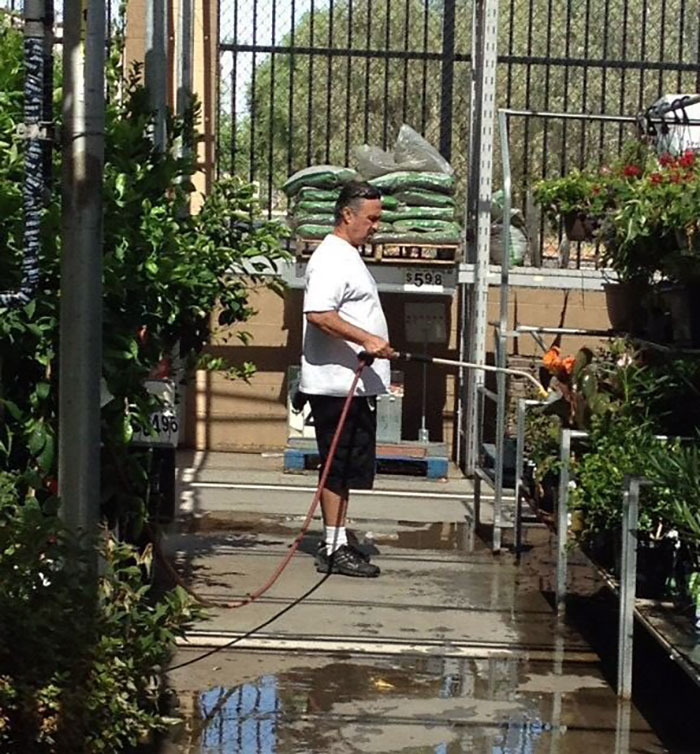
373	161
413	152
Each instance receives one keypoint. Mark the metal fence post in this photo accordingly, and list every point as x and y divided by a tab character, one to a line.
481	137
563	519
519	465
628	586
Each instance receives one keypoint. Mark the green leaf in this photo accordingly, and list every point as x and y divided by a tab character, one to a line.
12	409
43	389
46	458
37	439
127	430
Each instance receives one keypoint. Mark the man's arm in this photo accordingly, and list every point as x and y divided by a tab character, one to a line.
333	324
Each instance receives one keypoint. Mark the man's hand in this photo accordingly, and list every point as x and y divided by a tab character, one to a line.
378	347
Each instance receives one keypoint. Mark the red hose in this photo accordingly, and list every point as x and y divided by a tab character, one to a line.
314	503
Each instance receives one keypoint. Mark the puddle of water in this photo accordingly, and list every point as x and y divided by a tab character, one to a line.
434	536
413	705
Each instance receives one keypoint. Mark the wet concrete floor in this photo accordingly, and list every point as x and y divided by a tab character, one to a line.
451	650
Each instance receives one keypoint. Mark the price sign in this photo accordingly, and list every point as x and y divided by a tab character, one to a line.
427	280
165	427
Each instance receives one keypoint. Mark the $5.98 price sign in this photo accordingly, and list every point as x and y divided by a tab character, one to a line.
421	278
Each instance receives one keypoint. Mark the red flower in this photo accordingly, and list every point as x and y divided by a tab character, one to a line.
666	159
656	178
632	171
675	177
688	159
52	485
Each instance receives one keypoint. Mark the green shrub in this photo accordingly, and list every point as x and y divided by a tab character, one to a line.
80	656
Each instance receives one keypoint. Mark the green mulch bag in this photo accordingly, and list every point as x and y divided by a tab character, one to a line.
434	238
314	208
418	198
307	230
425	226
326	196
304	219
404	180
418	213
310	194
319	176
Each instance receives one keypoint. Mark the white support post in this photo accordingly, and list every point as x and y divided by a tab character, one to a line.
81	264
478	219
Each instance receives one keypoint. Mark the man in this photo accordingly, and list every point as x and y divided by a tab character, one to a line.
343	316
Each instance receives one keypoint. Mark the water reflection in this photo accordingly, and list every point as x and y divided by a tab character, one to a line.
367	707
242	719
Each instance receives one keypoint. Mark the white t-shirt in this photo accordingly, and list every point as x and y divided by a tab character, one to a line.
338	280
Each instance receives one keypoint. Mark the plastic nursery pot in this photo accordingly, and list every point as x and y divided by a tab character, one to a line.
654	567
624	302
578	227
682	304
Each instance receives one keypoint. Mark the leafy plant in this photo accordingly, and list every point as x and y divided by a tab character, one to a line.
618	445
165	272
80	656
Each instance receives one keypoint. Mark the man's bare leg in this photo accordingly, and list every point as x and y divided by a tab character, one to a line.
334	507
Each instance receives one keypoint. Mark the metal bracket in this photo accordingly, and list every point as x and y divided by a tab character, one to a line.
43	131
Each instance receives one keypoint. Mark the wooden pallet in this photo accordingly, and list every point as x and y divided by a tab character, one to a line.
393	253
430	461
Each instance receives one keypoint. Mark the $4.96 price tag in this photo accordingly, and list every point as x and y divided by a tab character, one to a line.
165	427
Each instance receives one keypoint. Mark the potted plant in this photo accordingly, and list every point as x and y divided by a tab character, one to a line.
577	198
652	237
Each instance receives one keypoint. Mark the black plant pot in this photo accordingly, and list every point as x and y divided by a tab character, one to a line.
682	304
603	549
625	305
654	567
579	227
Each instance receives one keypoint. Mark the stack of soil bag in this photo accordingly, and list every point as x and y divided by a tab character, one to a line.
425	211
417	186
312	193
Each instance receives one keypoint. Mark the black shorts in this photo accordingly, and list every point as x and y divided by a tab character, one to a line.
355	457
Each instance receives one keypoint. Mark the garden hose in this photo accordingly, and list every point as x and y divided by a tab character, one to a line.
365	359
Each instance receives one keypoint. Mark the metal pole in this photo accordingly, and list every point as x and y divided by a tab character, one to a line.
519	463
81	263
156	66
185	44
479	198
628	587
502	338
563	519
447	78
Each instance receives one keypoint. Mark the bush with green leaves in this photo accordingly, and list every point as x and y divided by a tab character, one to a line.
80	656
165	272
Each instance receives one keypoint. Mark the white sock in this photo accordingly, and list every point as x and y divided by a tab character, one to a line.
336	537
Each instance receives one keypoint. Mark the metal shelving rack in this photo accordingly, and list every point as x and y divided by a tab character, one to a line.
483	276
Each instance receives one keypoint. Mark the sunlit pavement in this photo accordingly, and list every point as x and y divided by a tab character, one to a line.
450	650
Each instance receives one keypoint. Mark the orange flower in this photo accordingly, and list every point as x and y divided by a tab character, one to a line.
551	360
557	366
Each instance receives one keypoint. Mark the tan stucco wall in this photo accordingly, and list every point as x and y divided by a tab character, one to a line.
232	415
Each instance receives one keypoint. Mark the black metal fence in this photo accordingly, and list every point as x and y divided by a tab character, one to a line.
304	81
